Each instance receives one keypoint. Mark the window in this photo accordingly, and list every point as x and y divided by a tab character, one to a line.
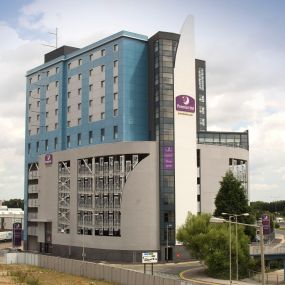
68	141
47	100
115	112
29	132
55	143
79	76
48	73
68	94
115	47
29	147
69	65
46	114
30	105
46	145
79	91
115	63
102	135
115	132
79	121
57	70
68	109
91	56
56	98
90	137
79	139
115	79
80	61
46	128
90	87
56	112
39	77
38	130
102	115
37	146
102	99
102	83
39	90
115	96
55	125
47	87
103	52
30	80
68	80
79	106
90	118
68	123
90	72
56	83
38	117
90	103
30	93
102	68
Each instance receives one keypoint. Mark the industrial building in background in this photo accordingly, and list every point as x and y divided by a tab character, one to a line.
117	150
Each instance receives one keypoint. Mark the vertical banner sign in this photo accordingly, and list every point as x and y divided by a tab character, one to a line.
17	234
168	157
266	224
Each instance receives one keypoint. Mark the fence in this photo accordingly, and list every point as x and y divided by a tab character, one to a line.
90	270
270	277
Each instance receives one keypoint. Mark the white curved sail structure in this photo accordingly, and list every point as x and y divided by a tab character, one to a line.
185	125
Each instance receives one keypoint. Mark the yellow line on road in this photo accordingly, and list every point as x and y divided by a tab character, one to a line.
181	275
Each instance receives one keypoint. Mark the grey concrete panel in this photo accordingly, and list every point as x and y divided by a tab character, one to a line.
131	278
124	277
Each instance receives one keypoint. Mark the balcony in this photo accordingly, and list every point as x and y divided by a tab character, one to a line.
33	189
33	203
34	174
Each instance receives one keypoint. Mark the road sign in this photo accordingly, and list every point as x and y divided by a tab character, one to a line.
149	257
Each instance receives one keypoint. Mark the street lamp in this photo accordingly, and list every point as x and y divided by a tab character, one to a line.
220	220
230	217
167	226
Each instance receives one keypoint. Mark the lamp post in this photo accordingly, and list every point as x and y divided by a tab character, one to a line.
220	220
167	226
230	218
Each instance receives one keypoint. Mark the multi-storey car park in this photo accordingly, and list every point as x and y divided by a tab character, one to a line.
117	148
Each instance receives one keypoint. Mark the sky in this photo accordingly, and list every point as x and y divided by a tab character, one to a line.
242	41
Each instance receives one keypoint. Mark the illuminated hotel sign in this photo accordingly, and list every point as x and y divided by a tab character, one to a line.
185	103
168	157
48	158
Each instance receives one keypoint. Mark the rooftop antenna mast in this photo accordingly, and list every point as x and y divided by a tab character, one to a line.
56	39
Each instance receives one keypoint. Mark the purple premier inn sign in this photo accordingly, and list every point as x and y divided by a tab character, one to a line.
48	158
17	234
168	157
266	224
185	103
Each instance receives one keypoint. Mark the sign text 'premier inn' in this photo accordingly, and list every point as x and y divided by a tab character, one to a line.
185	103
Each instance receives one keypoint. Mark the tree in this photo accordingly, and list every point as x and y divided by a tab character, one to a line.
210	243
231	197
14	203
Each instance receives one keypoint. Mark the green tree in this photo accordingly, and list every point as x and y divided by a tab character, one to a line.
14	203
210	243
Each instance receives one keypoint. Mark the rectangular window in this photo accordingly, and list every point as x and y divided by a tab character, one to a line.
55	143
56	98
57	70
115	63
79	61
56	83
29	147
90	72
46	128
39	77
79	139
68	94
102	99
90	103
48	73
102	68
30	80
46	145
68	123
102	115
29	132
79	106
79	121
79	76
55	125
91	56
38	130
90	137
30	119
115	132
102	83
115	47
103	52
90	118
115	112
38	117
37	146
47	100
90	87
47	87
68	141
115	96
46	114
30	105
69	66
56	112
39	90
102	135
115	79
68	80
30	93
79	91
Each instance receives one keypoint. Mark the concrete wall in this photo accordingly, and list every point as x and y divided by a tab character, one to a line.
214	163
140	199
90	270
